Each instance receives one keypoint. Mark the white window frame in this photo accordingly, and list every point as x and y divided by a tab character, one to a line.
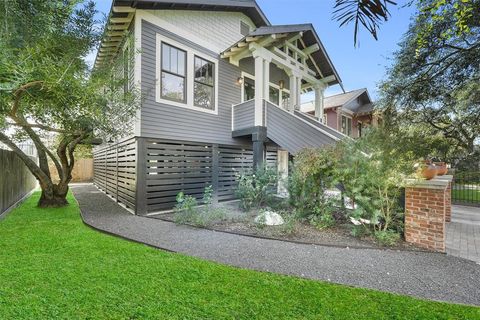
189	78
252	77
351	128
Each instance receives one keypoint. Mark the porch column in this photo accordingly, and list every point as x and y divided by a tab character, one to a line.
259	87
266	79
293	92
319	90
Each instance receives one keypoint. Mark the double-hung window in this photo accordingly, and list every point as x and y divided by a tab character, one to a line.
204	84
347	125
173	73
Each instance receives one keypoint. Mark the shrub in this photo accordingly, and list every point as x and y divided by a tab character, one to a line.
256	189
387	237
187	210
322	221
311	175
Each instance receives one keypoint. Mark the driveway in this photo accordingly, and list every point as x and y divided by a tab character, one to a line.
426	275
463	233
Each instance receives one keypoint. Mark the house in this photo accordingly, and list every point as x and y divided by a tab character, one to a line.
221	93
348	112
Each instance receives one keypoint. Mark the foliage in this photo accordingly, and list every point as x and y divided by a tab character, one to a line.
368	13
434	83
256	189
359	231
322	221
371	13
312	174
54	266
371	171
187	210
47	88
387	237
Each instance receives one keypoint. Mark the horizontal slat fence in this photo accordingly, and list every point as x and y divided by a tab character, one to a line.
146	174
15	179
114	171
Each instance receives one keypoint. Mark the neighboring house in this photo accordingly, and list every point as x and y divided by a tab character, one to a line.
221	93
348	112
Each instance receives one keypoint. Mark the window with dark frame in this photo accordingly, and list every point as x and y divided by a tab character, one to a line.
173	73
204	84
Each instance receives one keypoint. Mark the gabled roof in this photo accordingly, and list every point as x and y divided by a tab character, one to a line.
309	37
339	100
248	7
342	100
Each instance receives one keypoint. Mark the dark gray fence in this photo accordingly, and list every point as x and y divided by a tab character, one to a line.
146	174
466	188
15	179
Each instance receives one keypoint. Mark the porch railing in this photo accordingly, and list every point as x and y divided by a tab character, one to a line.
466	188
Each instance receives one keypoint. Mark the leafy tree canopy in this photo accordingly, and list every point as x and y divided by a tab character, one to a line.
47	88
434	81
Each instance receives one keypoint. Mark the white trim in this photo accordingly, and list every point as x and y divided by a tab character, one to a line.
189	77
245	74
137	33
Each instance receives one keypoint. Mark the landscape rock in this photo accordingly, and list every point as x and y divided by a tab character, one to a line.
269	218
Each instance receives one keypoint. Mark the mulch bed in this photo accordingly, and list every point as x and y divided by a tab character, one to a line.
239	222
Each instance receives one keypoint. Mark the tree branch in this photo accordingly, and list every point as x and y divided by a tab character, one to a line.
18	94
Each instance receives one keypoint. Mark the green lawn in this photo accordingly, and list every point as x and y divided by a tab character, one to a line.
466	195
53	266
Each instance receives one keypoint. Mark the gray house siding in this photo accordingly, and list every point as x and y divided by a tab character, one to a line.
244	115
292	133
171	122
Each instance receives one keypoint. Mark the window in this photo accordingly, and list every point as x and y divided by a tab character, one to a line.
274	95
248	89
347	125
203	88
285	100
173	72
360	127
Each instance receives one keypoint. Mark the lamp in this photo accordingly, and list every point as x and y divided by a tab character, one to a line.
281	84
239	81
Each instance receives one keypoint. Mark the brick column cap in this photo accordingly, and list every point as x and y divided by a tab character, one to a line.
436	183
447	177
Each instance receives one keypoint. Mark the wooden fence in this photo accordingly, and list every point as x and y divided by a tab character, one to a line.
146	174
82	170
15	179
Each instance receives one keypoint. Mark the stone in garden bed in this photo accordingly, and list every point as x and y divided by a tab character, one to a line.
269	218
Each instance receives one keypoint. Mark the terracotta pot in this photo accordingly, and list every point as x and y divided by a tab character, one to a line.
441	168
429	171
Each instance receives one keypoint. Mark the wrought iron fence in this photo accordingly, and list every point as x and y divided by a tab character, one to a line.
466	188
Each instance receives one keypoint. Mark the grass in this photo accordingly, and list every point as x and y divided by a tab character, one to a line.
53	266
469	195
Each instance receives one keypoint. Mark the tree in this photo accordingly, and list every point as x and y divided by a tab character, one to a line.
372	13
46	87
435	75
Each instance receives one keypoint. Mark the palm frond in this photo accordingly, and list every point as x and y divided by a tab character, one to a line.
369	13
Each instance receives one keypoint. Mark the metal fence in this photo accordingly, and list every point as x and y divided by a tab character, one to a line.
466	188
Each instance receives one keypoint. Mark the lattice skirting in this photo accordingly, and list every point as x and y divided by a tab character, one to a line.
146	174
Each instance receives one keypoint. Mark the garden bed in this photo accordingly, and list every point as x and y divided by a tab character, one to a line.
235	220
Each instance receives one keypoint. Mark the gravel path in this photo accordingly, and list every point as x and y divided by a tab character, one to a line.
427	275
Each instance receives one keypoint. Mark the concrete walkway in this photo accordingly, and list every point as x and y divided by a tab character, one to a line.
463	233
426	275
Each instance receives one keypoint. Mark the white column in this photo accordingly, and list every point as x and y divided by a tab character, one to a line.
319	90
293	92
259	88
266	79
299	92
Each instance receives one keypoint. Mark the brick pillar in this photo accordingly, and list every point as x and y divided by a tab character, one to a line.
448	197
425	210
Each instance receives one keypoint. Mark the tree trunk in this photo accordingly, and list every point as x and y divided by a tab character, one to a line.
54	197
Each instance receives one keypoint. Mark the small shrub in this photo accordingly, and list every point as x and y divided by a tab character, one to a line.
187	210
387	237
322	221
257	189
359	231
288	227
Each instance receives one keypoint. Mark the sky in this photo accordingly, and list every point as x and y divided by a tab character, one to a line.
360	67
